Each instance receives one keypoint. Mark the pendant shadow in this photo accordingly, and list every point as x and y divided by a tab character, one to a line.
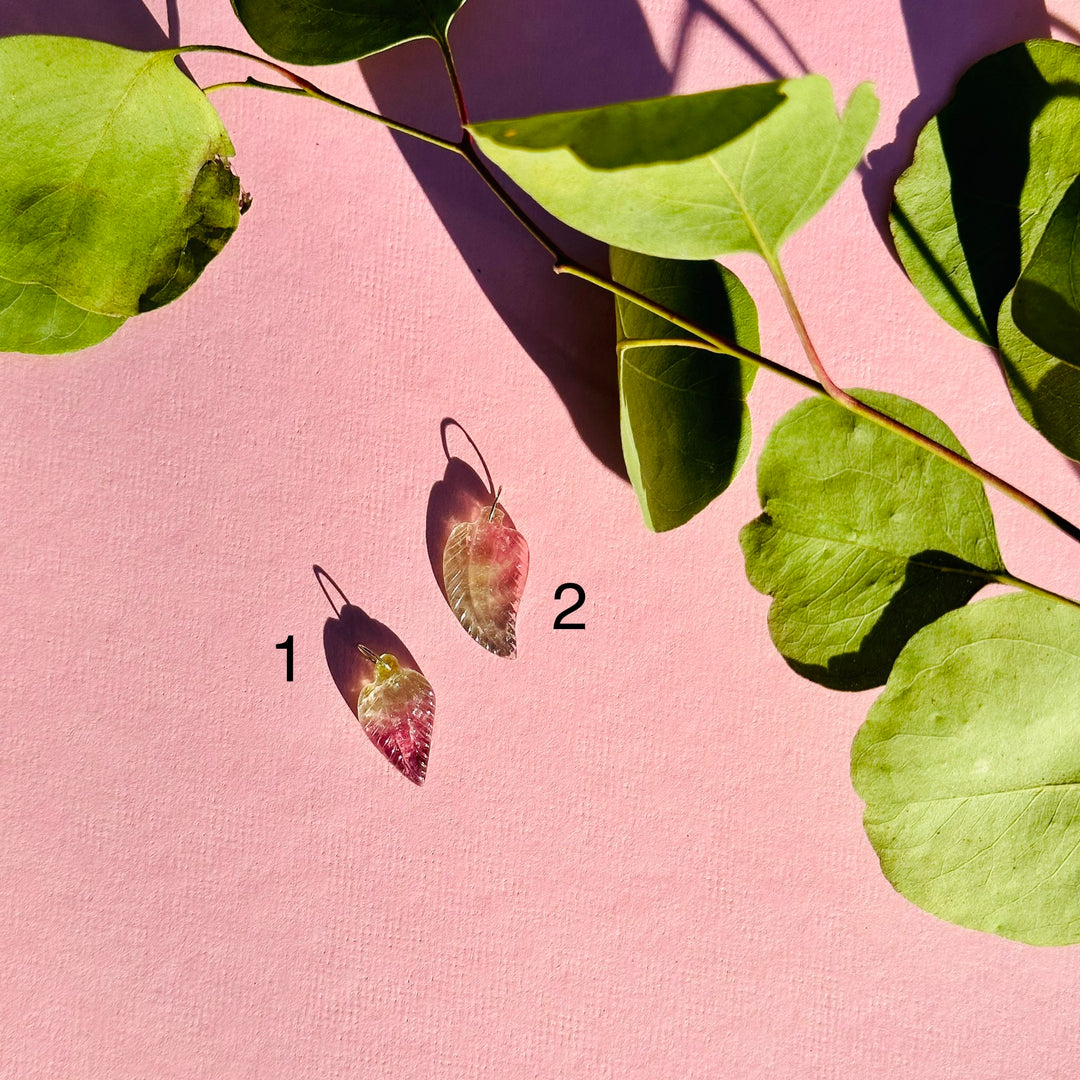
461	495
353	626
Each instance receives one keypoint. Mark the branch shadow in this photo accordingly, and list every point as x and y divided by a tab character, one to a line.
516	59
945	40
701	10
117	22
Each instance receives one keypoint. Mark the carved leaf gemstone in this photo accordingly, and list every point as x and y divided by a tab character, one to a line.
397	710
485	564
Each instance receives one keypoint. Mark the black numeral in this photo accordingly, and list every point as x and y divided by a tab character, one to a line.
573	587
287	646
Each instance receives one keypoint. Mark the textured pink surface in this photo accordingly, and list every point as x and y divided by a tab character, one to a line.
209	872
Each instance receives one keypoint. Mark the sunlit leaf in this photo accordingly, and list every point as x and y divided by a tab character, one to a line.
969	764
1046	301
684	419
864	539
691	177
115	187
333	31
33	319
988	172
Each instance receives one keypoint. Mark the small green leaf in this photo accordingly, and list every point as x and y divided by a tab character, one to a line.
691	177
685	423
969	764
988	171
33	319
115	189
1045	390
333	31
864	539
1046	301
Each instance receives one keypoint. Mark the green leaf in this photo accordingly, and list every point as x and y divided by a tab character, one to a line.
691	177
115	189
1046	301
864	539
333	31
1045	390
988	172
33	319
685	423
969	764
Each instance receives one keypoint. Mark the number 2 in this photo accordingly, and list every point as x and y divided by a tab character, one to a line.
559	624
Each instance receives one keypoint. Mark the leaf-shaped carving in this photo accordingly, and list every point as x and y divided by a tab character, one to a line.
485	564
397	710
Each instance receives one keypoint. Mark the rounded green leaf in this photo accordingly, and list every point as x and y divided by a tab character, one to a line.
1044	389
33	319
969	764
1046	301
115	186
333	31
864	538
691	177
683	414
988	171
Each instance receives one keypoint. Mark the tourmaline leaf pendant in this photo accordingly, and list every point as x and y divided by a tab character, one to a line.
485	564
397	710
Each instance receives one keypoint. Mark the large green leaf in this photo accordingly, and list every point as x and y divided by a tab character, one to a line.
333	31
969	764
691	177
864	539
685	423
1045	390
115	188
988	172
1046	301
33	319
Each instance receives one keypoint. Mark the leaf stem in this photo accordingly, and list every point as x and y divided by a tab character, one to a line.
842	397
455	83
1008	579
306	88
712	342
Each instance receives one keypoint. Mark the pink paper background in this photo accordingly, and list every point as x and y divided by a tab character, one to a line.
638	853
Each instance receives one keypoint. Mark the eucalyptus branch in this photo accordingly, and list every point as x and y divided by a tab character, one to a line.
305	88
563	264
842	397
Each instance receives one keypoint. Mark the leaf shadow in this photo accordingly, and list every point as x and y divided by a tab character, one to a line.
128	23
945	40
353	626
935	582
